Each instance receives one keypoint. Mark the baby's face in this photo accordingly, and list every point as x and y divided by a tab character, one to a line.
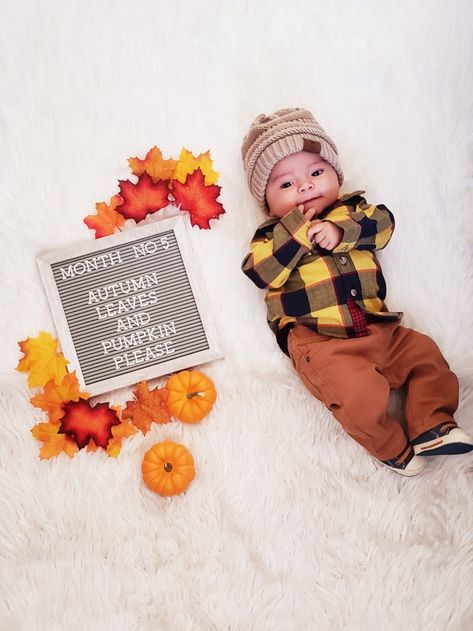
301	178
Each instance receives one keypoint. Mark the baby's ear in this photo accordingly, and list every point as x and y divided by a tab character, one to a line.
312	146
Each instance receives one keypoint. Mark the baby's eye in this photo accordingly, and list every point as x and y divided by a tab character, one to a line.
285	184
317	172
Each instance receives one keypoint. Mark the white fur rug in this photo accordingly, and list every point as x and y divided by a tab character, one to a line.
288	525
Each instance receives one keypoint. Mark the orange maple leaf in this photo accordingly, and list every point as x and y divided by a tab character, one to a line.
124	430
198	199
54	396
154	165
142	198
188	163
53	442
83	422
42	360
107	220
149	406
91	446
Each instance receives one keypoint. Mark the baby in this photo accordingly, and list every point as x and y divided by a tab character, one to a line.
325	292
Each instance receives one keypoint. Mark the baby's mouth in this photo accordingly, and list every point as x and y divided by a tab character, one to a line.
309	203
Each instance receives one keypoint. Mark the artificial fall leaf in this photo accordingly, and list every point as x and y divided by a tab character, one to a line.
42	360
53	442
154	165
142	198
198	199
149	406
107	220
119	432
83	422
188	163
54	396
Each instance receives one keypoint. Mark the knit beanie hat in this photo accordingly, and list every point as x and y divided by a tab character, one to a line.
272	138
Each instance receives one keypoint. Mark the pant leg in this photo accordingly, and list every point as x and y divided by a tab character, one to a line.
344	374
415	360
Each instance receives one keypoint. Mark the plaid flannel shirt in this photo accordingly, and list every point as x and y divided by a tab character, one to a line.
318	287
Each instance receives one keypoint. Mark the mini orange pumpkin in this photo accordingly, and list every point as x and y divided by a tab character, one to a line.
191	395
168	468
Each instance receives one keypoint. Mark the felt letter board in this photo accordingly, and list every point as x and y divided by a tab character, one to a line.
130	306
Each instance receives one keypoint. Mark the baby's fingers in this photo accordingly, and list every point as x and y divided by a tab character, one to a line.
309	213
312	232
314	229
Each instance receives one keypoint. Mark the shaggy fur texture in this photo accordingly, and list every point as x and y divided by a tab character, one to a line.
289	524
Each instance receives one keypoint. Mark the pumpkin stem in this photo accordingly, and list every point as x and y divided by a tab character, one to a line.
191	395
168	467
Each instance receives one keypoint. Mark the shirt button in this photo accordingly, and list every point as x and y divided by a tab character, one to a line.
353	292
343	260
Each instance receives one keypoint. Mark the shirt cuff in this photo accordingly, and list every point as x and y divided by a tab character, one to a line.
351	234
297	226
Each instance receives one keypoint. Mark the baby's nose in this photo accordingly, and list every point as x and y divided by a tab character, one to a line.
305	186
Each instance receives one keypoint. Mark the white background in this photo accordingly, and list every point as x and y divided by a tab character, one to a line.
289	525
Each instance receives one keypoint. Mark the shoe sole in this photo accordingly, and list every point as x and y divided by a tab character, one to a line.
403	472
407	473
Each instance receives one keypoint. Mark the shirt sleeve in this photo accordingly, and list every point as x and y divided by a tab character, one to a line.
366	227
276	253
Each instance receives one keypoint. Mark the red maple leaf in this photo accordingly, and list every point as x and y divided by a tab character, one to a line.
83	422
142	198
198	199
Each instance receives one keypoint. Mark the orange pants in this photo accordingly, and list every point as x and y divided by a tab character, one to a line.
353	378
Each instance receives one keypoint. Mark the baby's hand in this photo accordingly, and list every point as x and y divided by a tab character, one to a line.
325	233
309	213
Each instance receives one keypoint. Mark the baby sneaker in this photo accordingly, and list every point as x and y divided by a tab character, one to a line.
444	439
407	463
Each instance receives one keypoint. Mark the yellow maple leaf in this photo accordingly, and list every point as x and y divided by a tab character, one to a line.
188	163
52	399
53	443
154	165
42	360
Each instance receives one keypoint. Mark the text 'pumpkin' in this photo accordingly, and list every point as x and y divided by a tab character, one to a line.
168	468
191	395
